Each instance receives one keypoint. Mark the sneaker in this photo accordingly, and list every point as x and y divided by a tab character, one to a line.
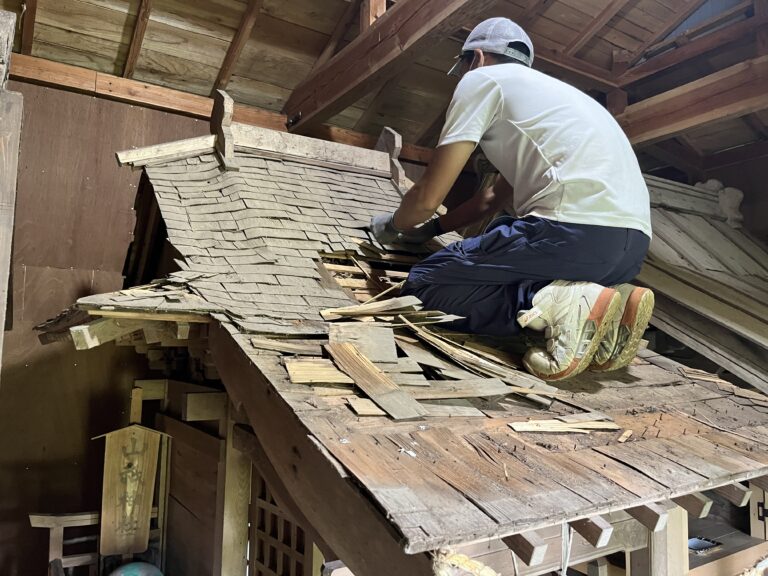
621	341
575	317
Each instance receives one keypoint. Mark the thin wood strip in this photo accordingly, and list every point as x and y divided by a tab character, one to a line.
243	34
139	29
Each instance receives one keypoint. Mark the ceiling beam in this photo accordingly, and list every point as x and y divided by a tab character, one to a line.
757	125
139	28
376	56
29	14
595	26
534	9
730	93
679	156
737	155
370	11
697	47
338	33
247	22
687	8
86	81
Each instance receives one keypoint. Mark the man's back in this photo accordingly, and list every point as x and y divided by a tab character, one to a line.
564	154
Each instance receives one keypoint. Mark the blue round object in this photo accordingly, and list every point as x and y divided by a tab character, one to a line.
137	569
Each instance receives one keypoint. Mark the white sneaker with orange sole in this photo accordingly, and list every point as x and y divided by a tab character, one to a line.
620	343
575	317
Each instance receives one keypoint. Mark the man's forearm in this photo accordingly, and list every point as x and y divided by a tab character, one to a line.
414	209
476	208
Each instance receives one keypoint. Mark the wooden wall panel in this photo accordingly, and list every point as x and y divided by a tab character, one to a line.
74	222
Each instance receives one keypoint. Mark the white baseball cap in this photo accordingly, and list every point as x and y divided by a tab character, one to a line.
495	36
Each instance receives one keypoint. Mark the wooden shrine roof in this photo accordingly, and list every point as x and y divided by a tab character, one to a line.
267	247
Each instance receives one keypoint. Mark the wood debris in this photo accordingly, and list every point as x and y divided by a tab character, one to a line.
391	306
556	426
315	371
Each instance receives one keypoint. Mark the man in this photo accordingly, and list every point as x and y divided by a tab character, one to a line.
582	225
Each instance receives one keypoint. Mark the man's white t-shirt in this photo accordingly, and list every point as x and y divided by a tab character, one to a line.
564	154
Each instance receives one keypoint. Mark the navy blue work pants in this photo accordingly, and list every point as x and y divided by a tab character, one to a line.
488	278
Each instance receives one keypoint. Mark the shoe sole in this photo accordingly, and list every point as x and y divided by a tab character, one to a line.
637	315
605	308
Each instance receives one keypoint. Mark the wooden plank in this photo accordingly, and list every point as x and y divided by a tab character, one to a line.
736	563
333	506
152	389
192	318
315	371
736	493
28	26
741	88
186	434
388	395
379	308
376	56
529	546
375	341
10	132
302	347
696	504
101	331
242	36
477	388
130	465
595	530
364	407
136	405
139	28
201	406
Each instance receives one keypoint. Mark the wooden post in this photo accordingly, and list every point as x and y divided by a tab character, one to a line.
667	551
221	122
11	106
232	505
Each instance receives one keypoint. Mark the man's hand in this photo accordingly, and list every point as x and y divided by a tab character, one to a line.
383	229
423	233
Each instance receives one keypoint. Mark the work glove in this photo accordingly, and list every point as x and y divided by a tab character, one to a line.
383	229
423	233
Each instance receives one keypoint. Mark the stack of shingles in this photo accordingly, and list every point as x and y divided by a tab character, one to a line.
364	366
254	233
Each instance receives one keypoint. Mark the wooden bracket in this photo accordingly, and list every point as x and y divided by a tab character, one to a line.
652	516
392	143
221	126
697	505
736	493
596	530
87	336
529	547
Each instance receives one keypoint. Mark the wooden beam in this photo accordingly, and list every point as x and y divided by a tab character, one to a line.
653	516
333	505
528	546
338	33
678	155
201	406
47	72
736	493
697	47
687	7
596	530
370	11
735	91
595	26
247	22
101	331
534	9
696	504
11	108
737	155
376	56
29	14
139	28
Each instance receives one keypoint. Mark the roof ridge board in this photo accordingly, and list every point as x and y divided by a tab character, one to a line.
168	151
310	150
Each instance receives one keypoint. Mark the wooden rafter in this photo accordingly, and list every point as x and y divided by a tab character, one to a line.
730	93
376	56
757	125
247	21
142	19
595	26
338	33
29	15
696	47
688	7
535	7
333	505
370	11
737	155
678	155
